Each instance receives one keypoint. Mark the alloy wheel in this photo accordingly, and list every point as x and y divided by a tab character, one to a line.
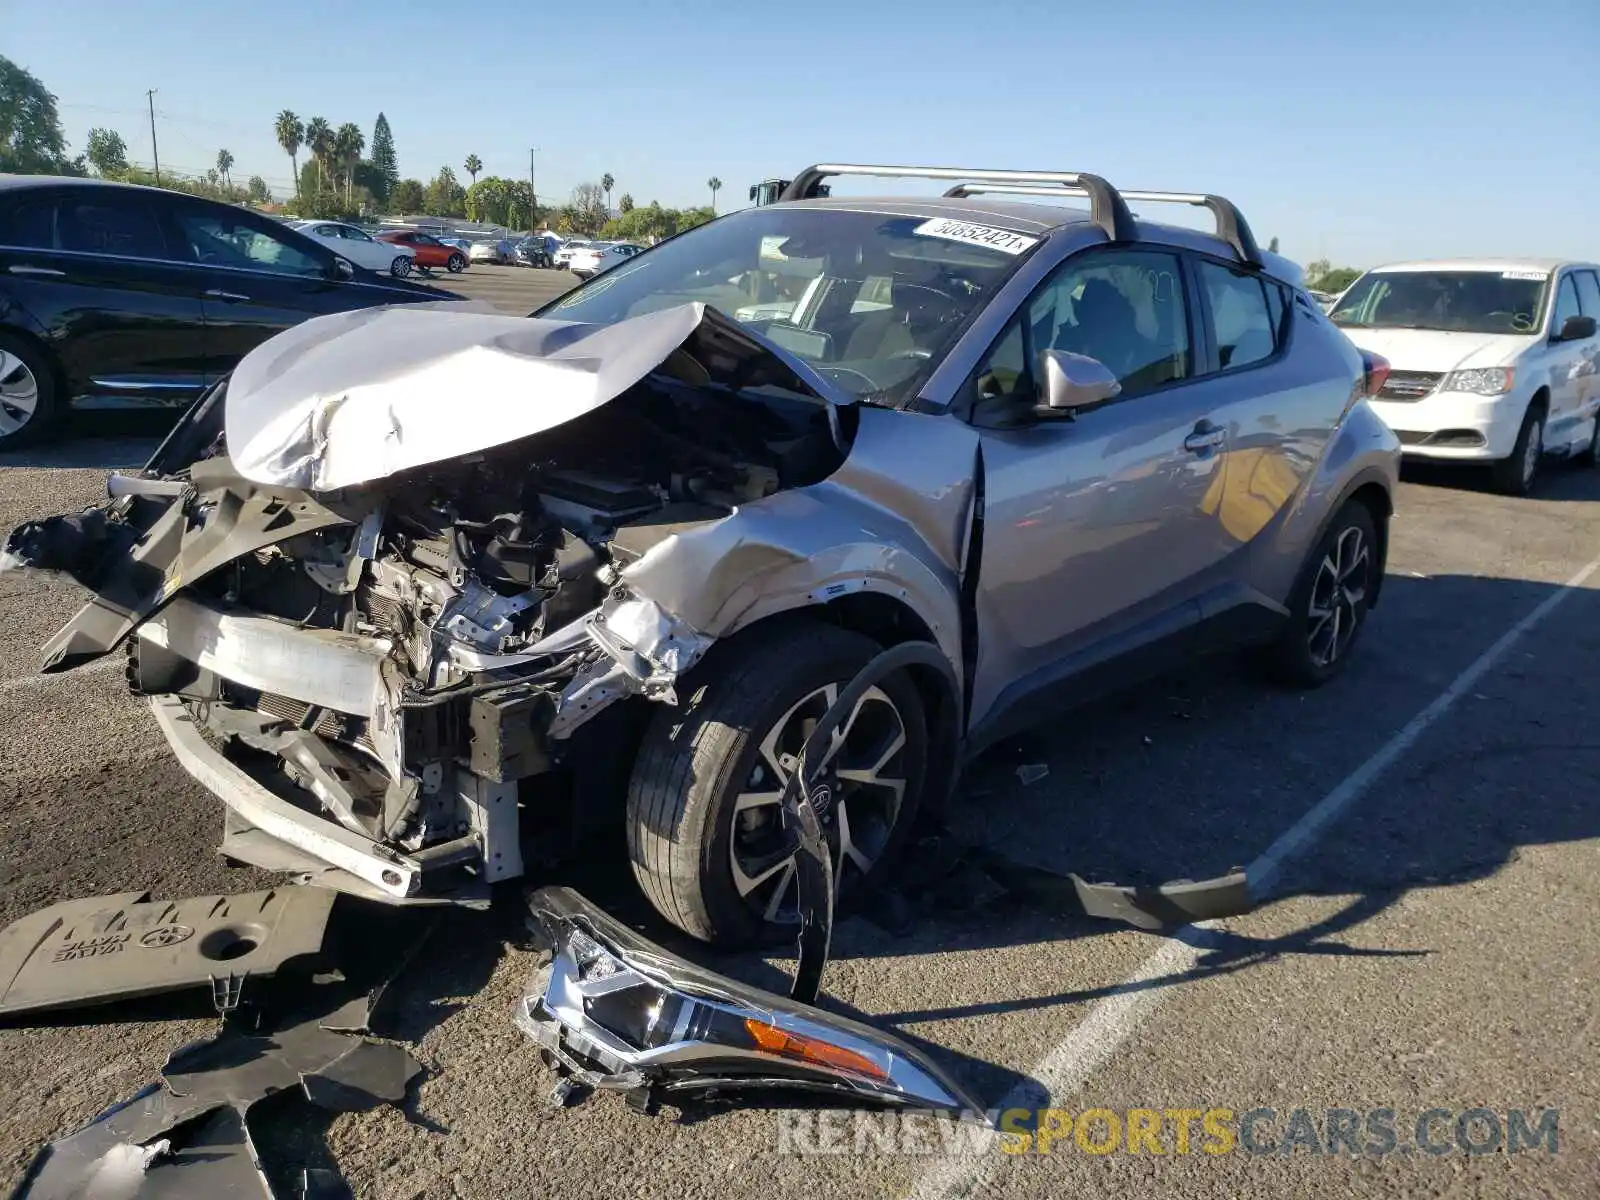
19	394
401	267
1337	594
858	795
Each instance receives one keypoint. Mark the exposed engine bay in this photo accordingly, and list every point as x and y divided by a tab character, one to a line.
399	657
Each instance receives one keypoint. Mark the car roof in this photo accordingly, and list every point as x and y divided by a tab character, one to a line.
1029	217
1482	264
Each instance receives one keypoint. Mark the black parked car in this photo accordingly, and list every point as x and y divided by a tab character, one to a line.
114	295
533	252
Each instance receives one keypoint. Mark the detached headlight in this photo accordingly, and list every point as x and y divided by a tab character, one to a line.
1481	381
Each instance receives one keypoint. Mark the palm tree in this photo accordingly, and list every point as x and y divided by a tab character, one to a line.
715	185
224	165
291	133
348	144
319	140
474	164
606	183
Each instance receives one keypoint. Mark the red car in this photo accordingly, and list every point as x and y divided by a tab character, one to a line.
431	252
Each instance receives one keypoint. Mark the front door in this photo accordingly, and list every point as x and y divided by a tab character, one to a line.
1095	529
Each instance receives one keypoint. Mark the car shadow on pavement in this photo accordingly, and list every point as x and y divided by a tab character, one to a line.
1514	764
1560	480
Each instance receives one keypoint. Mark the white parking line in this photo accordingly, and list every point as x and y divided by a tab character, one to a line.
1113	1020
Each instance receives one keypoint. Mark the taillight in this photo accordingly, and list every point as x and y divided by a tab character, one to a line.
1375	373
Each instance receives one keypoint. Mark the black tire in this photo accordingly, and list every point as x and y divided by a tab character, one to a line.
1518	474
455	264
1591	457
401	266
21	360
696	759
1299	657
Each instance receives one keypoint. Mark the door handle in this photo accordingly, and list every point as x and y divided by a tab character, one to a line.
43	272
219	294
1206	436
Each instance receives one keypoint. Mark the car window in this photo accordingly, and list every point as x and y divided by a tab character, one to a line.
1122	307
222	241
424	240
1455	301
1588	292
31	223
1240	315
126	228
1566	303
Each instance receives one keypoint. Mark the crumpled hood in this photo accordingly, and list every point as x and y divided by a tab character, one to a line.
353	397
1441	350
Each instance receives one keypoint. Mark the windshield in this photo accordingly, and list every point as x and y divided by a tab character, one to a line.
1454	301
870	301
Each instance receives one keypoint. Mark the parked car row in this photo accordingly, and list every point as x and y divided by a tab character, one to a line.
117	295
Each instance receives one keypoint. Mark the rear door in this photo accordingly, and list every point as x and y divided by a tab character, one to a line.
95	271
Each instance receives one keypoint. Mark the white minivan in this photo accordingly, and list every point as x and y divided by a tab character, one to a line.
1492	361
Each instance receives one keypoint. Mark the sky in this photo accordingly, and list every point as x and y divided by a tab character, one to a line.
1360	131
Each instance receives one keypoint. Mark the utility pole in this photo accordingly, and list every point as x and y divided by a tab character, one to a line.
155	153
533	196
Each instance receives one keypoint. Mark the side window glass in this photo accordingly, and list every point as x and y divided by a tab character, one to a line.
1588	292
1122	307
129	230
222	241
1566	303
1239	312
31	224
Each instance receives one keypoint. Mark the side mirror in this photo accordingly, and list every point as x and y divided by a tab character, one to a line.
1576	329
341	268
1072	383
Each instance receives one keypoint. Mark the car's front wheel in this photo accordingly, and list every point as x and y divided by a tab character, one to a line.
401	266
456	264
1329	607
29	394
1516	475
705	831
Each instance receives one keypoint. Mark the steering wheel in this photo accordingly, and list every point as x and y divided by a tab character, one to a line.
871	383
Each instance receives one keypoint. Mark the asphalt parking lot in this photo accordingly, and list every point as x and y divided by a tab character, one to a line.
1430	824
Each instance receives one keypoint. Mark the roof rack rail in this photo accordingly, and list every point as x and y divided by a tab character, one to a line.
1106	207
1231	225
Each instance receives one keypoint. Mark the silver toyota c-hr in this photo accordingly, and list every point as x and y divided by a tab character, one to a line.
426	595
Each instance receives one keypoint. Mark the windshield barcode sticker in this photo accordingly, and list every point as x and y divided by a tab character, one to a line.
1002	240
1539	275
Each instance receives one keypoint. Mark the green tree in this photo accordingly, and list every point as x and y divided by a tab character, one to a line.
386	168
291	134
445	197
225	167
519	204
587	207
31	141
1337	279
320	141
108	153
488	199
625	205
606	182
348	143
1272	246
257	190
474	164
715	185
407	197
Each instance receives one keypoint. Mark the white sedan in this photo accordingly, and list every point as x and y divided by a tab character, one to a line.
360	247
588	261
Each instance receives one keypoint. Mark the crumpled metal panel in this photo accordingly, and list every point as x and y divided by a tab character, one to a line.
117	947
352	397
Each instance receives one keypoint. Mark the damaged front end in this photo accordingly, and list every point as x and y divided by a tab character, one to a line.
371	607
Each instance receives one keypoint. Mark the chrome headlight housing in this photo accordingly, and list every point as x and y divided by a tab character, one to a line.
1481	381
